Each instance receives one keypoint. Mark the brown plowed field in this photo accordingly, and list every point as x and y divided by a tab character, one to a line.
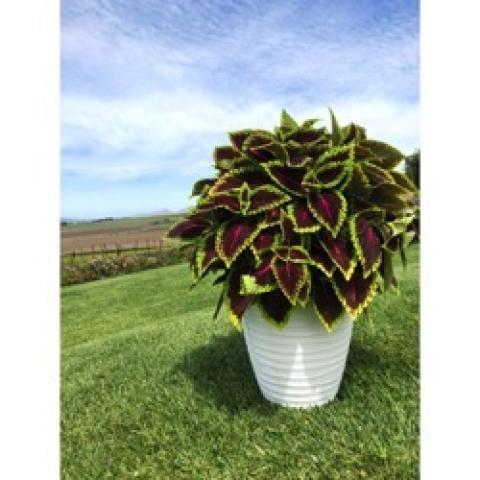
109	235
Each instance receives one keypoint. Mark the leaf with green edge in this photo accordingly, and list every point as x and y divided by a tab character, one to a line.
273	216
386	156
234	179
290	277
244	198
286	177
367	242
233	237
339	154
299	254
391	197
202	186
329	207
266	198
320	258
265	239
305	291
189	228
403	181
289	236
352	133
375	174
228	202
237	303
356	293
250	286
238	137
303	219
358	182
206	254
224	156
336	131
340	252
326	304
305	135
275	308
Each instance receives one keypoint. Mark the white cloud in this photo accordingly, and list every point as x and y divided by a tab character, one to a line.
176	131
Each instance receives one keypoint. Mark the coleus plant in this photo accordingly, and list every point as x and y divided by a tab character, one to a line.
301	214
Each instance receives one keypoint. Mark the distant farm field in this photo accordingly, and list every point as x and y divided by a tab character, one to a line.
124	234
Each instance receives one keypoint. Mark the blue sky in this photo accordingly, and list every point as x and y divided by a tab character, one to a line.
149	87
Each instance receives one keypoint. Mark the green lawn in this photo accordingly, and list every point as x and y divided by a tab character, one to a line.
152	388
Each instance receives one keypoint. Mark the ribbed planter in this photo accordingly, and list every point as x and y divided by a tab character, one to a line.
302	365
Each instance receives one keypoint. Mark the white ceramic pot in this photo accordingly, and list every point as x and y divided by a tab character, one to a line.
302	365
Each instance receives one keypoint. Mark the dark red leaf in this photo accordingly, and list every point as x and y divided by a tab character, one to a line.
228	202
367	241
233	237
290	237
288	178
340	251
238	302
188	229
272	216
326	303
210	252
263	274
290	277
275	306
329	207
321	258
355	293
265	198
305	136
304	220
235	179
225	153
265	239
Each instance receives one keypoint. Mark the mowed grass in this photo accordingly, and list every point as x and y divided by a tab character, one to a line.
152	388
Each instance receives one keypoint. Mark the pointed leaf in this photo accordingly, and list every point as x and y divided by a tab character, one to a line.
287	122
224	157
387	156
340	252
288	178
320	258
206	255
189	228
356	293
325	302
233	237
403	181
289	236
387	272
375	174
265	239
336	132
390	196
234	180
290	277
266	198
367	242
329	208
273	216
303	220
228	202
201	186
353	133
238	303
275	307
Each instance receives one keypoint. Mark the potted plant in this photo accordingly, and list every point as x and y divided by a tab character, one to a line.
300	224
